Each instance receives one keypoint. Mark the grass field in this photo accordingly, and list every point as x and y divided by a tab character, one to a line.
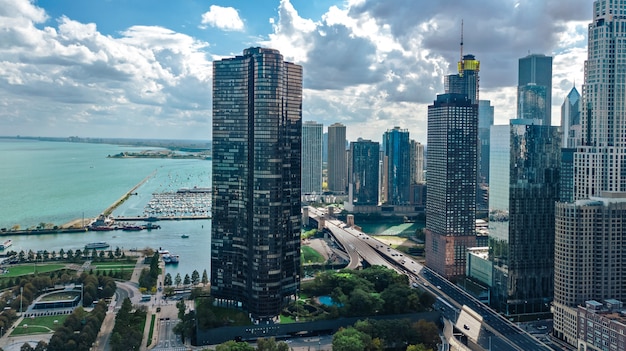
24	269
39	325
310	255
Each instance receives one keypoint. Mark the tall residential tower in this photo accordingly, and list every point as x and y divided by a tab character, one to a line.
590	233
255	235
312	158
337	166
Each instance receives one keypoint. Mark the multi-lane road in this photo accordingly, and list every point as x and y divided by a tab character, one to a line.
496	332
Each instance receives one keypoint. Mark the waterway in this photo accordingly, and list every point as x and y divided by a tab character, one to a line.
56	182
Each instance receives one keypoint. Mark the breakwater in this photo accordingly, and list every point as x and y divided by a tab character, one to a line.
121	200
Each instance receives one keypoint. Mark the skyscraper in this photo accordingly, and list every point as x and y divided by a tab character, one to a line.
570	120
465	82
451	202
337	167
312	158
364	172
255	235
591	230
396	147
534	88
521	219
485	121
417	162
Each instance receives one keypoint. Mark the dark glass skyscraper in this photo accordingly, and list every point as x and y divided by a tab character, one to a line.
452	166
534	88
255	235
396	147
364	172
521	228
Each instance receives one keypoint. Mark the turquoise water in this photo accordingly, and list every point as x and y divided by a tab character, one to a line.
328	301
56	182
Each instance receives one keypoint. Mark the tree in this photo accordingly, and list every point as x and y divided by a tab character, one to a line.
234	346
118	252
41	346
195	277
418	347
167	280
187	280
427	333
350	339
178	279
26	347
205	278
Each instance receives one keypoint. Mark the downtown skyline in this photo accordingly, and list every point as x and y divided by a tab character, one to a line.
112	69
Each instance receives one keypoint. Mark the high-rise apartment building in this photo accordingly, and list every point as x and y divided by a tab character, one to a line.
364	172
591	229
521	219
417	162
337	166
534	88
485	121
312	158
451	202
397	154
255	235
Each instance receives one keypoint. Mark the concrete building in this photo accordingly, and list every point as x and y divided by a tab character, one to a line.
337	166
591	230
255	235
451	203
364	172
312	158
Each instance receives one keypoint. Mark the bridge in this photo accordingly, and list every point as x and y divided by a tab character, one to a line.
480	326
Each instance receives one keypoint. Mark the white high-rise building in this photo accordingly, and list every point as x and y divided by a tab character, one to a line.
312	158
590	230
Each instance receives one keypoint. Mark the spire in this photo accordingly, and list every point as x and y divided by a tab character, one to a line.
461	59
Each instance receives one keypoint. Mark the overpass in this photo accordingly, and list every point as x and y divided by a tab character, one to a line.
483	328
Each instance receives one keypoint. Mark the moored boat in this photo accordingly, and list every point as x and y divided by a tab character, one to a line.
97	245
184	236
6	244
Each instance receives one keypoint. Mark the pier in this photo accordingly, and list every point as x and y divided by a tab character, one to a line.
121	200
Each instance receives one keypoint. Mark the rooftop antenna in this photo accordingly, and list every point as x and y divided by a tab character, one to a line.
461	41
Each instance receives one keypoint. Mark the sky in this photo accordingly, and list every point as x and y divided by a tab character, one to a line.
143	68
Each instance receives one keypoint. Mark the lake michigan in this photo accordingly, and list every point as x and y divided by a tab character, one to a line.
57	182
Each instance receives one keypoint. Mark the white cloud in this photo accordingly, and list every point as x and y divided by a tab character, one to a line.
225	18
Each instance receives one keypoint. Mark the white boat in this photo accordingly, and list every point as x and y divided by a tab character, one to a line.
6	244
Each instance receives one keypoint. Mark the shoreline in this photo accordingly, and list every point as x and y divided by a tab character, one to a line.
79	225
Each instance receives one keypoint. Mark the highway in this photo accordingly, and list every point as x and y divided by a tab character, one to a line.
495	332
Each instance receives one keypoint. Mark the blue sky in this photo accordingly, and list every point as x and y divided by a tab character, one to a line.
141	68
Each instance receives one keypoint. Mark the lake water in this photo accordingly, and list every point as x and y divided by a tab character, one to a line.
56	182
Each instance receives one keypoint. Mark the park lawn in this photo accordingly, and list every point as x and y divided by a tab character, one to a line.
309	255
39	325
115	263
24	269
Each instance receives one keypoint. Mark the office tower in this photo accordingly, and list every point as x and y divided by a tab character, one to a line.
255	235
364	172
534	88
417	162
485	121
521	217
312	158
572	137
591	230
396	147
466	82
570	120
337	167
451	203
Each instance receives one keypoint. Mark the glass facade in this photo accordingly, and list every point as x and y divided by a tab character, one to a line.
451	169
534	88
521	228
396	147
364	172
255	236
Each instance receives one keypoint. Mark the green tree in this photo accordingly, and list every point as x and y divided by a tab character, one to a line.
118	252
26	347
187	280
167	280
418	347
177	279
350	339
234	346
195	277
205	278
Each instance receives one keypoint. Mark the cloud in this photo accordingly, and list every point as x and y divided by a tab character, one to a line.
146	78
225	18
